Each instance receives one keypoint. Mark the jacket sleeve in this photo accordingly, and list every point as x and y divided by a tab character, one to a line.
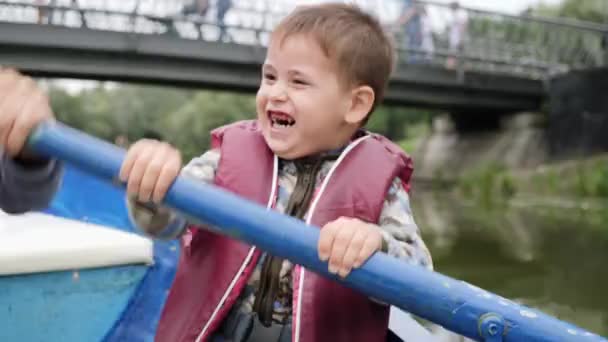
401	235
27	186
161	222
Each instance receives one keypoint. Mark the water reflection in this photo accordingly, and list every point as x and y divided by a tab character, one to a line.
549	258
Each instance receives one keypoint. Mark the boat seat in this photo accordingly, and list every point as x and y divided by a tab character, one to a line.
37	242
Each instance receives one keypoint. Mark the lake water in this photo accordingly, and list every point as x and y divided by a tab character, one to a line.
553	259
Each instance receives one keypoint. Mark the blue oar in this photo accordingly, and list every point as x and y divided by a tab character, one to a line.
456	305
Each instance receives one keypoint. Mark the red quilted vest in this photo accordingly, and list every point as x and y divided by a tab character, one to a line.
214	269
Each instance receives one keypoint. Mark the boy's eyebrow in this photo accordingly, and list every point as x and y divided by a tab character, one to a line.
292	72
267	65
297	72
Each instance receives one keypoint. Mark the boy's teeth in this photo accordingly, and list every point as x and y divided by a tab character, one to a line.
281	121
276	124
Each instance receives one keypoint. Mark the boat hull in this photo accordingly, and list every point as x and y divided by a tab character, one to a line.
120	302
68	306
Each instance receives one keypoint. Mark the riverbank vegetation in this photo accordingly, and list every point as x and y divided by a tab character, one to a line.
185	117
567	183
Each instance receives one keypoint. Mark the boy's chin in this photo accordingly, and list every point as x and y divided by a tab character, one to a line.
283	149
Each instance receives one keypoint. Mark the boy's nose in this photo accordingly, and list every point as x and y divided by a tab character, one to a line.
277	93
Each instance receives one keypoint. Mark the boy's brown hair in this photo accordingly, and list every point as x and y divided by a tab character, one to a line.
354	40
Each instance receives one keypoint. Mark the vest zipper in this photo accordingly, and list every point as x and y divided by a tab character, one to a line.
269	205
313	207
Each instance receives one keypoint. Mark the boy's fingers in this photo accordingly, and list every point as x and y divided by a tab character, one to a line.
373	243
137	172
10	107
326	240
18	134
167	176
352	252
341	242
24	123
8	77
7	120
130	159
151	174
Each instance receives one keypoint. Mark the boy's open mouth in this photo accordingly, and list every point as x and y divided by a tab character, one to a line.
280	119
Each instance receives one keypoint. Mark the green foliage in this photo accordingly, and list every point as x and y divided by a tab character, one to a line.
184	117
592	180
189	126
488	184
107	112
588	10
181	117
524	40
577	179
394	122
414	132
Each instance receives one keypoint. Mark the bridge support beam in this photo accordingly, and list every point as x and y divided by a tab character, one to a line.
578	113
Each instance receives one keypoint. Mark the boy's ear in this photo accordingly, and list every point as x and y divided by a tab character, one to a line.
363	98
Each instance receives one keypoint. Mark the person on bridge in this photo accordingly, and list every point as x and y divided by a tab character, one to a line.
223	6
27	182
428	43
307	156
198	7
457	34
44	16
411	21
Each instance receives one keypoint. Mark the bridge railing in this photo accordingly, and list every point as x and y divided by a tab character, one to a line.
511	43
144	17
486	41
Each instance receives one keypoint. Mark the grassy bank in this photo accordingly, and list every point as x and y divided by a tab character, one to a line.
413	135
572	180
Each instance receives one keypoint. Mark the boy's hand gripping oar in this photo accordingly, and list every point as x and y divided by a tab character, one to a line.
453	304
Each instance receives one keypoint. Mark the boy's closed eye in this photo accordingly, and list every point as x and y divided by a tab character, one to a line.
269	77
300	82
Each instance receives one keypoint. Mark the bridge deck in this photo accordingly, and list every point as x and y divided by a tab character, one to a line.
55	51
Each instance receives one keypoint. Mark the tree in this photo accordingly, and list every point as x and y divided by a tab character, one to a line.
182	117
189	126
587	10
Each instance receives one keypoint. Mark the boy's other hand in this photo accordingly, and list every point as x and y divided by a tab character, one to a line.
347	243
23	105
149	169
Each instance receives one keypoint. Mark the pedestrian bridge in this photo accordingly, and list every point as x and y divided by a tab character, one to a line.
503	64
